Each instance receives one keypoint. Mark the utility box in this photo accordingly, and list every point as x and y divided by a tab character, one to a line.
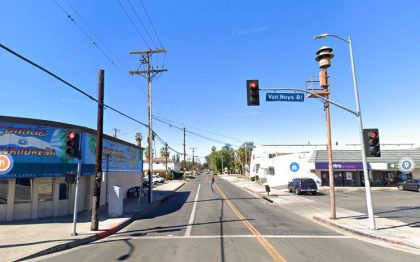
116	201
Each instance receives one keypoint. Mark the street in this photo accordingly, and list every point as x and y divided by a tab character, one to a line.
398	205
202	222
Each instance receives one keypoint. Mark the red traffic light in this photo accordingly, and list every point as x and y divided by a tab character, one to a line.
373	134
253	84
71	135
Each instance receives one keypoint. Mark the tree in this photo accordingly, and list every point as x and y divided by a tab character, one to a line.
243	154
164	152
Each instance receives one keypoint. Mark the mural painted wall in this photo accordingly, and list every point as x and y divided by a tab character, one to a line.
39	151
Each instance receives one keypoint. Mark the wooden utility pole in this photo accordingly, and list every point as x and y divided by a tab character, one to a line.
116	130
324	56
185	152
149	73
193	148
98	164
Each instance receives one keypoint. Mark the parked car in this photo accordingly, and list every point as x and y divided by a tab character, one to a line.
302	185
413	184
158	179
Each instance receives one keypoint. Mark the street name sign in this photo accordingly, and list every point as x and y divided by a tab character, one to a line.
287	97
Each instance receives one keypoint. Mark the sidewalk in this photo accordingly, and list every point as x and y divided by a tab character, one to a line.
32	238
393	232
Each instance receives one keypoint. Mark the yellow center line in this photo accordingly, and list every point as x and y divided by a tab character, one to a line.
264	242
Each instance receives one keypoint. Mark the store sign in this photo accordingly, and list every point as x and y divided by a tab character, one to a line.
39	151
340	165
6	164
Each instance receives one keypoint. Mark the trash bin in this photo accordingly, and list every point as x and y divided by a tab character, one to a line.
115	201
267	189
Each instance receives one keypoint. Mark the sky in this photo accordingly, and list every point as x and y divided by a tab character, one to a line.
213	47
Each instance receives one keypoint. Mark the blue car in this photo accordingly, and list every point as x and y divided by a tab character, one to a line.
302	185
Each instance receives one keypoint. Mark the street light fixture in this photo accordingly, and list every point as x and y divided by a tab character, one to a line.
359	116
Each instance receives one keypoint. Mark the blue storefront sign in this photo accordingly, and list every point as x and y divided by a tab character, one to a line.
341	165
39	151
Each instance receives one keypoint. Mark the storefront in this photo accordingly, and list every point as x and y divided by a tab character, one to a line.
383	171
345	174
33	164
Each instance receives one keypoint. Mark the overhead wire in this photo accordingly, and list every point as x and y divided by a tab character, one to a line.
151	23
92	40
142	24
132	23
77	89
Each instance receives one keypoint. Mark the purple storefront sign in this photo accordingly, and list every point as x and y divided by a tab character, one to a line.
341	165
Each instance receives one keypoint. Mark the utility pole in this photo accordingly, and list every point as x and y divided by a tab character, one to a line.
115	131
98	164
166	158
185	152
193	148
149	73
324	56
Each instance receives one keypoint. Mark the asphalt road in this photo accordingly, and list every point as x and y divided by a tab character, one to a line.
224	223
399	205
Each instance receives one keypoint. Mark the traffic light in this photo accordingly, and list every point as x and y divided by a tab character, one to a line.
253	92
372	145
73	144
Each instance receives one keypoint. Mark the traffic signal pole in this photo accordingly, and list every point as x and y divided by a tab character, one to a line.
76	193
98	166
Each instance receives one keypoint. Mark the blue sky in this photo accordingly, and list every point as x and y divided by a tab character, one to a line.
213	48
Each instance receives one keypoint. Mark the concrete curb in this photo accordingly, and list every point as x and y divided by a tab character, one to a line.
107	232
268	199
364	234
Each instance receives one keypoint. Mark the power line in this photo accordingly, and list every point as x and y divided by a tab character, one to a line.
153	27
194	133
142	24
79	90
134	25
92	40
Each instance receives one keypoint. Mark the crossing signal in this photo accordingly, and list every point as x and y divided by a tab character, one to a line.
253	92
372	144
73	144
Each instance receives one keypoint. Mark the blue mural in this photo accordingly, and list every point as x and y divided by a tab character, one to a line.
39	151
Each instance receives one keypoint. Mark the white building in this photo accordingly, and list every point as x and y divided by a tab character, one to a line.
277	165
159	166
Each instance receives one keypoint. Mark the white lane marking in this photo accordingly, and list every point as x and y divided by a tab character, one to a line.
245	236
189	227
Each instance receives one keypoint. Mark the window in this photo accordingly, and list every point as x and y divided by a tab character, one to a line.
45	186
271	171
3	191
64	189
23	190
271	155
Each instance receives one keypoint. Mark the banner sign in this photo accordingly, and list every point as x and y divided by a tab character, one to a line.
341	165
39	151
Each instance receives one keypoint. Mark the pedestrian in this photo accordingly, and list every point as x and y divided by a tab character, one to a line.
212	178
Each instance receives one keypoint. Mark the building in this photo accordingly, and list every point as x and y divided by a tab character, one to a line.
348	167
276	165
160	164
33	165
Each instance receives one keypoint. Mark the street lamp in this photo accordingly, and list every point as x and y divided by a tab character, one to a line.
359	116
